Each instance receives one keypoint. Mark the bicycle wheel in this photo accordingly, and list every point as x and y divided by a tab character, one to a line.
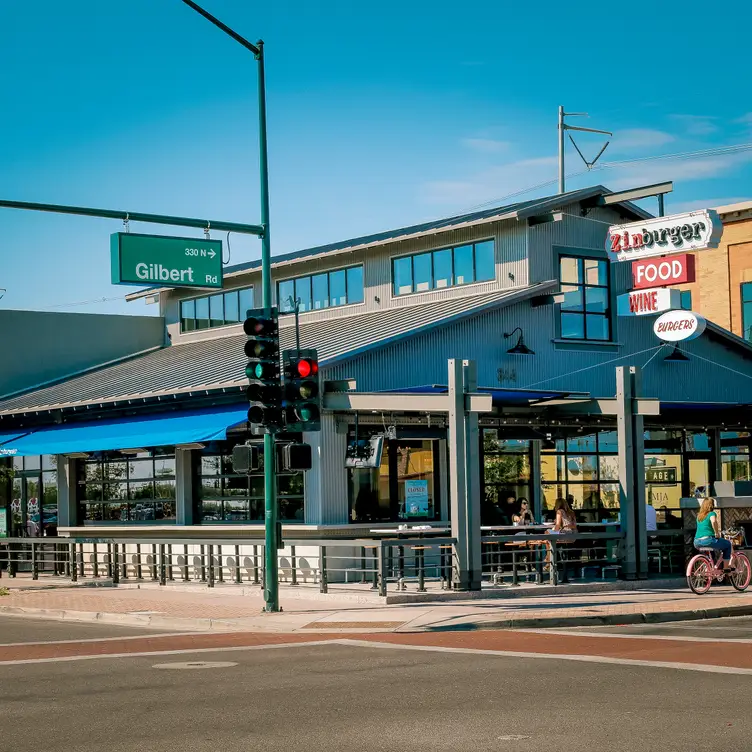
699	577
743	574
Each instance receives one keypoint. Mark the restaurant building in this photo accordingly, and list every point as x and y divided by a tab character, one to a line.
141	442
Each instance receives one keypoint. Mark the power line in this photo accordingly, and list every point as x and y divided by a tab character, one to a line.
88	302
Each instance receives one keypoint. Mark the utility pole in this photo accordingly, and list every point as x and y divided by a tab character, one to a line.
563	126
271	580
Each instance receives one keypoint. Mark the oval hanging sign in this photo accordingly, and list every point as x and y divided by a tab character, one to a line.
676	326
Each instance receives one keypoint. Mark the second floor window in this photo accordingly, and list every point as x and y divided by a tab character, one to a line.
747	311
325	290
221	309
585	310
447	267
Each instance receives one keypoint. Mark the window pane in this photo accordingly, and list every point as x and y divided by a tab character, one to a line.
582	468
609	467
581	443
463	265
442	269
209	465
403	275
572	326
608	442
570	270
303	293
216	310
188	315
422	272
485	266
596	299
337	290
355	284
320	285
597	327
596	272
572	298
747	292
140	469
246	301
202	313
747	321
232	309
286	291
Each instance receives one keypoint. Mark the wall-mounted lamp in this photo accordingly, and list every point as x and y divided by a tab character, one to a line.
520	348
676	356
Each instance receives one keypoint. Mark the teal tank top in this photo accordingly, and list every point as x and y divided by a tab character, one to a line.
705	527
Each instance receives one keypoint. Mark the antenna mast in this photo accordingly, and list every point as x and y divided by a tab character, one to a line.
565	127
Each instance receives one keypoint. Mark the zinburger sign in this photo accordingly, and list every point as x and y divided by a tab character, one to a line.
676	326
660	236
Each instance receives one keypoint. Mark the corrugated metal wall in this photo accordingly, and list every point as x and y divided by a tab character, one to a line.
423	360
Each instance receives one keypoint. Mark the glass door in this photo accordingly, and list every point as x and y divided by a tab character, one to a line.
25	507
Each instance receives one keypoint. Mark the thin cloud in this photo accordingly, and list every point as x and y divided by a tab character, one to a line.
745	119
485	145
697	125
640	138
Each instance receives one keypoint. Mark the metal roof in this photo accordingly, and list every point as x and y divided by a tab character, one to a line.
218	363
518	210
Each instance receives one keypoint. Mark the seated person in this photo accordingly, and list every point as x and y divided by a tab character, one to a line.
524	516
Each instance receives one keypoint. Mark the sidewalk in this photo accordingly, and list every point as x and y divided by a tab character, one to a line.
224	609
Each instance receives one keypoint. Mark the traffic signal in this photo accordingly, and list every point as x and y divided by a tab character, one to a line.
262	368
246	458
295	457
302	398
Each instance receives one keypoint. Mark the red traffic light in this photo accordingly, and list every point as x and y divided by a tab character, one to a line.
307	367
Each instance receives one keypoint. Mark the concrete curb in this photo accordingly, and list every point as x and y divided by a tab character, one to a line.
553	622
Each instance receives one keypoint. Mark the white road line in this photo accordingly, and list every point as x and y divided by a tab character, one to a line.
582	658
622	635
182	651
104	639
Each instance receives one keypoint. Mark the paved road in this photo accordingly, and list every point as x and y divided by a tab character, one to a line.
15	629
733	628
493	690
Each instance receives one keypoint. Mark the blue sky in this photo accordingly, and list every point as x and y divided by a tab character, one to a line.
380	114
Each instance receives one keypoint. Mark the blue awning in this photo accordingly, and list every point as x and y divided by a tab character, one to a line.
162	429
9	438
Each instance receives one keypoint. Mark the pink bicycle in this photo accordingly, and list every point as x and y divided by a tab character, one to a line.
703	568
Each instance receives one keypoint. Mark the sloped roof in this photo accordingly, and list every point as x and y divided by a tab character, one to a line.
518	210
218	363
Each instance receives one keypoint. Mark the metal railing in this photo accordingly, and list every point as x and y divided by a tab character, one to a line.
325	563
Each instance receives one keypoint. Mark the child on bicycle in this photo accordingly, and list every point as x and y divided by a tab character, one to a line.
708	533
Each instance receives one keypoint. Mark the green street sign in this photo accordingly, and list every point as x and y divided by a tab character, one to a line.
165	261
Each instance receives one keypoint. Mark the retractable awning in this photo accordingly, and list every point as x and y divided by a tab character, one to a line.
162	429
8	438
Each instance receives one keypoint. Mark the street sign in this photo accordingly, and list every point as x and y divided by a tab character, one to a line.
642	302
665	475
165	261
674	270
660	236
676	326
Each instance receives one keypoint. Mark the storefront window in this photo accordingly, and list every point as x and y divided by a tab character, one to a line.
505	476
225	496
28	496
582	467
212	311
403	488
735	455
324	290
127	488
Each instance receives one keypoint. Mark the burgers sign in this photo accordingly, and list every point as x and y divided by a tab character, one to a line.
676	326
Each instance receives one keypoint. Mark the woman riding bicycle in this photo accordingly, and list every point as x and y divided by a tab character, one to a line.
708	533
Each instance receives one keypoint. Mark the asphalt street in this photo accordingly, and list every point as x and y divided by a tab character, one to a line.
16	629
338	697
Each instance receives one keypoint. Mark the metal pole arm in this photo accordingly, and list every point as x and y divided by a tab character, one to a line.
227	30
157	219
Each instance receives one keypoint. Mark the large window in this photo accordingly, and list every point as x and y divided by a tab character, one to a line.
28	494
210	311
403	488
506	476
585	308
225	496
448	267
325	290
584	469
747	311
127	488
735	455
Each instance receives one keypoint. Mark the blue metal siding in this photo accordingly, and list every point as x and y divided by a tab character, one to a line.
423	360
